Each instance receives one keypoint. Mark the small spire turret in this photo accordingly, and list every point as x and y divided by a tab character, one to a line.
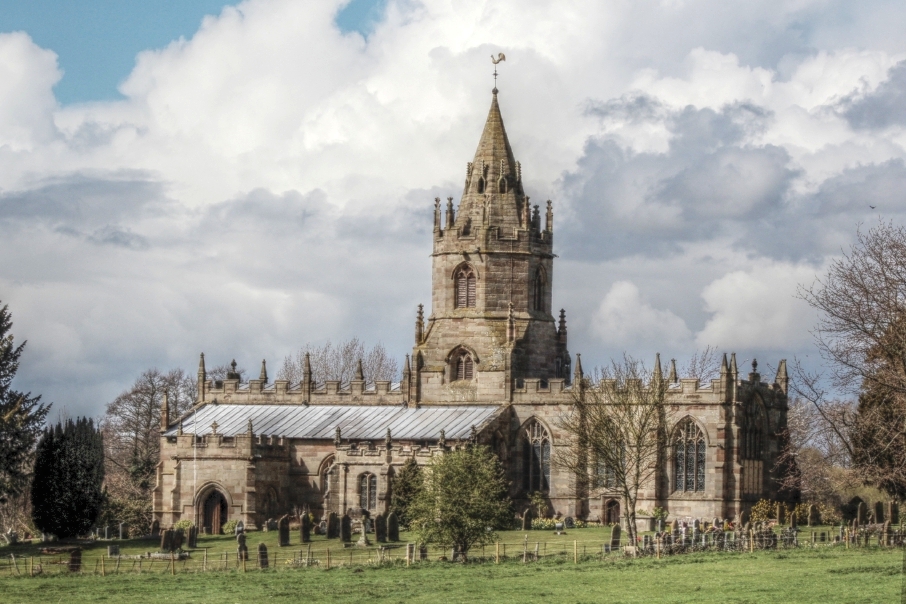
549	223
437	214
202	379
451	217
165	412
672	377
658	373
578	374
263	375
359	372
782	379
420	325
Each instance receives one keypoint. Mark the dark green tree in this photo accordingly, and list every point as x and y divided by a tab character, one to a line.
67	489
21	416
463	500
406	485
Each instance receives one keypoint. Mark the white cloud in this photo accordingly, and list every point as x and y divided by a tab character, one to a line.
625	319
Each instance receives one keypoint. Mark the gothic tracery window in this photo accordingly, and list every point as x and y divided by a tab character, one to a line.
689	458
464	366
368	491
536	449
464	280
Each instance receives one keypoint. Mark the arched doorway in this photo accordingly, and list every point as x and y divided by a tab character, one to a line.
612	511
214	512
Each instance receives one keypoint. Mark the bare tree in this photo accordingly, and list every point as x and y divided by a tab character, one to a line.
339	362
861	334
617	427
704	365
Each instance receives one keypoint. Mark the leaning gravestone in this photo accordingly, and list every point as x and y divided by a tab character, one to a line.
305	529
879	512
346	528
242	549
262	556
75	560
393	527
283	529
615	537
333	526
380	528
155	529
527	518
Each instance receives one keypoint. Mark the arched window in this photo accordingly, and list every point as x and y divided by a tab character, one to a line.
368	492
464	279
464	366
324	473
481	184
501	185
538	290
689	457
752	440
536	450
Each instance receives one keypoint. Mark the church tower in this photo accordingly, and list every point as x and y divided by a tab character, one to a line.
491	324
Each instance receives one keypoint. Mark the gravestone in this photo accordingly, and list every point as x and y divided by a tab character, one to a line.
393	527
527	518
333	526
346	528
893	512
321	528
166	541
879	512
124	530
743	518
242	549
75	560
813	519
674	526
193	537
155	529
179	537
779	513
240	527
380	528
305	529
271	524
262	556
860	513
615	536
569	523
283	530
107	532
113	550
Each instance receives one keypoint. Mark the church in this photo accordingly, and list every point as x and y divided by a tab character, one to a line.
490	364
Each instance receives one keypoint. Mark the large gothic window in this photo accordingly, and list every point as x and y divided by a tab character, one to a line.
538	290
536	450
689	457
752	437
464	279
368	491
463	365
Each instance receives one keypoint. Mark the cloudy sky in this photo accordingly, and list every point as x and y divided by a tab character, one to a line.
243	179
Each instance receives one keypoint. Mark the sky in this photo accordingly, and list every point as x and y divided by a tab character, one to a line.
241	179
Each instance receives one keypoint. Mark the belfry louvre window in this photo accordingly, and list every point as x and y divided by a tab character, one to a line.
465	287
465	367
752	441
368	492
536	460
689	458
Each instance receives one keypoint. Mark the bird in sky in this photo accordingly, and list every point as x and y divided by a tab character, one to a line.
871	206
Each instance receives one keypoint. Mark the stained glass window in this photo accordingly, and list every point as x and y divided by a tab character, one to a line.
536	448
689	458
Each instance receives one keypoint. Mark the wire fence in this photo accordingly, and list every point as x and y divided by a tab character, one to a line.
73	560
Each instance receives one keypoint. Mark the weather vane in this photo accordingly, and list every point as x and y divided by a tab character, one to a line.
500	57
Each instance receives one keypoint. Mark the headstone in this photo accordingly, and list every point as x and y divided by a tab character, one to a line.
179	538
75	560
346	528
193	537
113	550
107	532
879	512
262	556
569	523
333	526
271	524
893	515
124	530
779	513
674	526
743	518
813	515
363	540
527	518
155	529
380	528
283	529
558	528
240	527
242	549
305	529
393	527
166	541
860	513
615	536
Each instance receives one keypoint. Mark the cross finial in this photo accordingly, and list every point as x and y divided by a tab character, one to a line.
500	57
214	427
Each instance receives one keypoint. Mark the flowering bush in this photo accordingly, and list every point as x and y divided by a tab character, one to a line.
550	524
185	525
229	527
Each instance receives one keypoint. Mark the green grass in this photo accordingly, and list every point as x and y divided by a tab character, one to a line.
825	574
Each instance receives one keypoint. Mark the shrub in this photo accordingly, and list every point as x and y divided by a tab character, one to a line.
229	527
184	524
762	511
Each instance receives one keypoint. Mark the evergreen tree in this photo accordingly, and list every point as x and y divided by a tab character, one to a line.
406	485
66	492
21	416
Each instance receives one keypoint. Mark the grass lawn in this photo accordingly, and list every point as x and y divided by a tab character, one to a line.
824	574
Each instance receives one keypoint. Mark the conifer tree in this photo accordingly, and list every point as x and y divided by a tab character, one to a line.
406	485
21	416
66	492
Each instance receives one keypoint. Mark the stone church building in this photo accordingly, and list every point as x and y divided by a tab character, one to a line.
489	363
